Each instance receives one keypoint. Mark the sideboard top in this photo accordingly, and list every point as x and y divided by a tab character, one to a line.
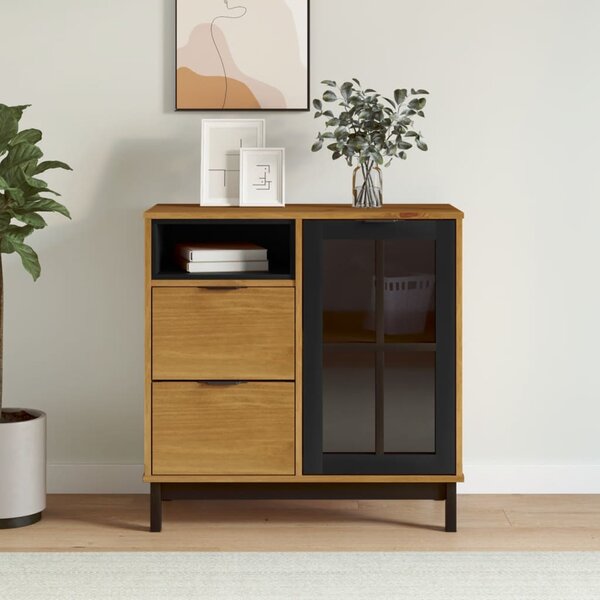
305	211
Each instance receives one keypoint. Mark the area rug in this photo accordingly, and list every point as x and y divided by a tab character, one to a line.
299	576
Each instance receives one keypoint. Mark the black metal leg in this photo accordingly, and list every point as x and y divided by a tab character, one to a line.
155	507
451	507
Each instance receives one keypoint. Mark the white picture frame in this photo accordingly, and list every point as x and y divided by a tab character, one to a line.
262	177
220	159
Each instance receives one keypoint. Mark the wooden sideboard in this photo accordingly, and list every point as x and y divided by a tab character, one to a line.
337	374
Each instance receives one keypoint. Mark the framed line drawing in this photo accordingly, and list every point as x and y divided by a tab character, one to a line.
242	55
262	177
222	140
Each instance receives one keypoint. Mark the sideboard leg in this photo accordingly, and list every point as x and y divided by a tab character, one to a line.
155	507
451	507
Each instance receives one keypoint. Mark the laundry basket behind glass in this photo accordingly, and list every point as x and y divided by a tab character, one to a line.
407	301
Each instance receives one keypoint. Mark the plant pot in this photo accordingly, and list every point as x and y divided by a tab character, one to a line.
22	470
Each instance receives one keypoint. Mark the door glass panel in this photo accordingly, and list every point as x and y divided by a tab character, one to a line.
348	400
409	401
348	275
409	290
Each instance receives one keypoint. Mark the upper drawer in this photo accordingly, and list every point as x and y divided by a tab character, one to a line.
218	333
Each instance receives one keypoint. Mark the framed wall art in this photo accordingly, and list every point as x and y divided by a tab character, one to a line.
222	140
242	54
262	177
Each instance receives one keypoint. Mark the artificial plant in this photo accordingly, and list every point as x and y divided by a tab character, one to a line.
23	196
369	129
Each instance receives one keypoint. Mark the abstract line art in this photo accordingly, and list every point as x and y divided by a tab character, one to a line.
212	35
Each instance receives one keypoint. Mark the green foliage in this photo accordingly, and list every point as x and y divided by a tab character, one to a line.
368	127
21	191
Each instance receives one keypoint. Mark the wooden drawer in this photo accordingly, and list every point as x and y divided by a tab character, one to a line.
202	429
218	333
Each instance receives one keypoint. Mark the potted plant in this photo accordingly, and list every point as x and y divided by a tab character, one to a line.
369	130
23	196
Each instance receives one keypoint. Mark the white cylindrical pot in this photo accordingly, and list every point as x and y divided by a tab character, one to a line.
22	470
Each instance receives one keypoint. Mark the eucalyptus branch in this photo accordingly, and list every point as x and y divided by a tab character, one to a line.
366	129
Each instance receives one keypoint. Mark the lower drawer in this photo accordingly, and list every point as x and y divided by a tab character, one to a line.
203	429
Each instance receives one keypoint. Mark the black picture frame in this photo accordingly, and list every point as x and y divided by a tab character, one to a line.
251	110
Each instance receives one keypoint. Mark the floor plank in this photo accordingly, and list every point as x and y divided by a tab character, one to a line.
487	523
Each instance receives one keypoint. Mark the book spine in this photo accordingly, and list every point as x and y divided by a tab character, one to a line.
224	255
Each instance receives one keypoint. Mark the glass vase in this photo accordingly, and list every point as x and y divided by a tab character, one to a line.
367	186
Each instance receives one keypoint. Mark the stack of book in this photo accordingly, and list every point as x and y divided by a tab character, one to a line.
212	257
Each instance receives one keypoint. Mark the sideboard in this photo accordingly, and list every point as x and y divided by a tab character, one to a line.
336	374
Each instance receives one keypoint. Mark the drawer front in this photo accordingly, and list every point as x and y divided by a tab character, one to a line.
202	429
216	333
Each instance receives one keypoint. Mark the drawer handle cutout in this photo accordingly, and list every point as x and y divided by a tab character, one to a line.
222	383
219	288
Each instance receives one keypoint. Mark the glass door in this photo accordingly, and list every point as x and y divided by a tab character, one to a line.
379	350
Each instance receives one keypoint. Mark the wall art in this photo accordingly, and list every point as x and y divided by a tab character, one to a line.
222	140
262	177
242	55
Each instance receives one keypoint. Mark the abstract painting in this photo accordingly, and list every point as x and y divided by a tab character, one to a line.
242	55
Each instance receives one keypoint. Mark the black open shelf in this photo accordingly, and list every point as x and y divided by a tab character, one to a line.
275	235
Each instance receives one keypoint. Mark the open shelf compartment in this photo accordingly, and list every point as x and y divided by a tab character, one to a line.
275	235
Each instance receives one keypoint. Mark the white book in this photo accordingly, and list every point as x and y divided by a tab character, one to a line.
217	251
232	266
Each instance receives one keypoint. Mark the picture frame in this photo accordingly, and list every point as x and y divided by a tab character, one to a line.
262	177
222	140
250	56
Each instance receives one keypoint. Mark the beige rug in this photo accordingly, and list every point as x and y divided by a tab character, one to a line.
299	576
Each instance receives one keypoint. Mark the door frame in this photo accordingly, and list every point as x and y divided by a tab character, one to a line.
443	460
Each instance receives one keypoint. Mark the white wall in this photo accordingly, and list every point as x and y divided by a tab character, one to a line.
513	129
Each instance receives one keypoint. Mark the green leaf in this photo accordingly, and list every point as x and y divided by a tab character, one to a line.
29	259
336	155
329	82
15	233
317	104
31	136
6	246
3	184
5	219
8	127
417	103
16	194
400	96
422	145
422	92
51	164
329	96
411	134
33	219
402	155
47	205
317	146
356	81
22	156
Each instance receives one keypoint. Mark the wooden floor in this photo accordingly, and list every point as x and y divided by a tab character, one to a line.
120	523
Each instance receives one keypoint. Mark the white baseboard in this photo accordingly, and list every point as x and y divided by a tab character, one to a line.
531	479
96	479
480	479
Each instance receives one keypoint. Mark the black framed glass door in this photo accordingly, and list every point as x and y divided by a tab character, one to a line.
379	347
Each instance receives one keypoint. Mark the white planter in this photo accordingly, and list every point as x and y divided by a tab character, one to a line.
22	470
